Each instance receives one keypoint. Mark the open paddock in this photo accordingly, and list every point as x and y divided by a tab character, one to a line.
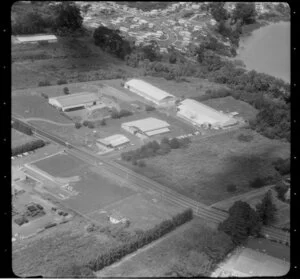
18	138
203	170
36	106
229	104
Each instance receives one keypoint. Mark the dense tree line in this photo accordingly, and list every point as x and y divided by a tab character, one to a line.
111	41
115	114
153	148
63	18
21	127
29	146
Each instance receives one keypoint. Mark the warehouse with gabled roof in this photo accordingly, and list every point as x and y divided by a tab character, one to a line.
149	92
148	126
74	101
201	115
114	141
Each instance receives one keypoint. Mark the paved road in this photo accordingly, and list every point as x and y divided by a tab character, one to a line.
48	121
130	177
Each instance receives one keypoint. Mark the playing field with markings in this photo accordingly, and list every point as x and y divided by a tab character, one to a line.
93	189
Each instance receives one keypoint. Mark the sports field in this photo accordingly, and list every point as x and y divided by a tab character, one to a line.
60	165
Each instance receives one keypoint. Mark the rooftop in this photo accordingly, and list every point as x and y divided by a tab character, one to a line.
147	124
114	140
35	38
151	90
76	99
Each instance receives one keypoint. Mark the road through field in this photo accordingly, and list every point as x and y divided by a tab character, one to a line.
48	121
138	180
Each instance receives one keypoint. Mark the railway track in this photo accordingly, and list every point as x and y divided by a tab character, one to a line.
131	177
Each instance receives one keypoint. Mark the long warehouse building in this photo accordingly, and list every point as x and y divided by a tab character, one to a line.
74	101
114	141
148	127
201	115
149	92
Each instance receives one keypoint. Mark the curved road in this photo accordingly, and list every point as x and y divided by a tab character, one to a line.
48	121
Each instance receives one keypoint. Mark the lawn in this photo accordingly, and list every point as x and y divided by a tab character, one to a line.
229	104
179	252
18	138
207	166
36	106
190	88
60	165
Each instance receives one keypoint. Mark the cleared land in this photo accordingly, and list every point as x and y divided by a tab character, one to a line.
36	106
229	104
18	138
179	253
73	60
204	169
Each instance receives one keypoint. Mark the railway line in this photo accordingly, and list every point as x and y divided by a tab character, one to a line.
131	177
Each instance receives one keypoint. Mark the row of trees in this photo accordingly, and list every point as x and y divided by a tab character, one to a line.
115	114
63	18
26	147
21	127
137	241
244	221
153	148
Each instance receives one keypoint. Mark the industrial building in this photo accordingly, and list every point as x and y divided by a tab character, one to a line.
149	92
203	116
146	127
34	39
114	141
74	101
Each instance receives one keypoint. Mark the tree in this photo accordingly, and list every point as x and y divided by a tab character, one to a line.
231	188
66	90
266	209
242	222
174	143
217	11
141	163
246	12
151	51
281	190
68	16
78	125
257	183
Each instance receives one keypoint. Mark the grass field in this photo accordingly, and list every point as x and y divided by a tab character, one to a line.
229	104
74	60
180	251
18	138
36	106
207	166
190	88
60	165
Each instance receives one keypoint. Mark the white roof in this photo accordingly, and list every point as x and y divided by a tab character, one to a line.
35	38
148	89
114	140
76	99
201	113
147	124
156	132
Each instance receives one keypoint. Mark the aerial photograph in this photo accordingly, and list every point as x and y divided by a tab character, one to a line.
150	139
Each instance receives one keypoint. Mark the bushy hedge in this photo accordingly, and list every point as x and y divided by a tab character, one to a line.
27	147
21	127
61	81
153	148
119	114
44	83
140	240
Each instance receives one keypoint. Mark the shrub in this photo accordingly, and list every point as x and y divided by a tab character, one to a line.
124	113
85	123
281	190
141	163
245	138
21	127
149	108
44	83
282	166
66	90
231	188
257	183
91	125
103	122
78	125
61	81
45	96
174	143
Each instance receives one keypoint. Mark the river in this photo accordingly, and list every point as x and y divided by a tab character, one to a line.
267	50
